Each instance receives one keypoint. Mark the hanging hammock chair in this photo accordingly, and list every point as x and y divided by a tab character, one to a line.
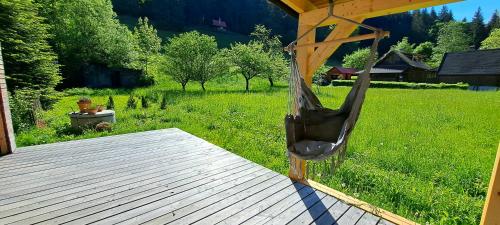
314	132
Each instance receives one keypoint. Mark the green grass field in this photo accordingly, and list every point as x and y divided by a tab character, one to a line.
423	154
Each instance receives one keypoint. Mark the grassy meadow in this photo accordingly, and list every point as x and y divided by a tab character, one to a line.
423	154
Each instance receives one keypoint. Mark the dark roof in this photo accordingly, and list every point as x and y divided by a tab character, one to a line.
481	62
407	58
343	70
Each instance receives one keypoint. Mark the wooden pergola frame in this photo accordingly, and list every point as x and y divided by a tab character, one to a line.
311	55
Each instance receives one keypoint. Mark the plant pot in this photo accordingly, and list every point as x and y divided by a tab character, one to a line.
100	108
92	111
83	106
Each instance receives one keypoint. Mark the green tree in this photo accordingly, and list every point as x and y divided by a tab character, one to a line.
445	15
452	37
357	59
478	29
494	22
193	56
273	46
404	46
148	41
250	61
29	60
424	51
88	31
493	41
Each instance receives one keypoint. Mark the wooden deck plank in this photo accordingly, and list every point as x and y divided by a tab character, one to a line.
243	214
106	172
384	222
352	216
368	219
198	202
315	211
133	191
333	214
113	208
292	211
230	205
156	177
81	172
71	188
277	208
100	194
96	160
104	150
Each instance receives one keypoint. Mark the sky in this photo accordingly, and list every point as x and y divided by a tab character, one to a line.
467	8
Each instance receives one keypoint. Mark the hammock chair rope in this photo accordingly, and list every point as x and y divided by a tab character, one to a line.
313	131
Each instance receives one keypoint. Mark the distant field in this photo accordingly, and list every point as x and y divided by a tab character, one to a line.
224	38
424	154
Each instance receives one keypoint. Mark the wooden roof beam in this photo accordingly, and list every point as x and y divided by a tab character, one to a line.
367	9
300	6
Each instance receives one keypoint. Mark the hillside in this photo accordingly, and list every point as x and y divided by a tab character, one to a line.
224	38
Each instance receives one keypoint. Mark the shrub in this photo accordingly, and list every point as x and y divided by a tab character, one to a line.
25	109
404	85
111	103
144	102
131	102
163	104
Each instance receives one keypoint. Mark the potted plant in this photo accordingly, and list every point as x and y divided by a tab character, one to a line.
100	108
83	104
92	109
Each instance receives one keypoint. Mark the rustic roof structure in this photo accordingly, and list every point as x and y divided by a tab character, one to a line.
482	62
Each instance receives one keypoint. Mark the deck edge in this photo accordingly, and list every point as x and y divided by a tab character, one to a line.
382	213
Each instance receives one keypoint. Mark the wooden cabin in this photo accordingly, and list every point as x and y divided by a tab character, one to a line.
219	24
477	68
339	73
402	67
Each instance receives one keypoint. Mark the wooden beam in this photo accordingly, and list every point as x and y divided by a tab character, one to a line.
343	40
298	167
367	9
300	6
7	139
491	210
319	57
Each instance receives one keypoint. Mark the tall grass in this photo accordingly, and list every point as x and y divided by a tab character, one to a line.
424	154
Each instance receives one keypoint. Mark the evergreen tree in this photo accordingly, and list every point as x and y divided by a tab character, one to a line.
29	60
433	15
148	41
445	15
478	29
494	22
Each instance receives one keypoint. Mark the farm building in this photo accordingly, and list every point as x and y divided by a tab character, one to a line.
219	24
477	68
402	67
100	76
340	73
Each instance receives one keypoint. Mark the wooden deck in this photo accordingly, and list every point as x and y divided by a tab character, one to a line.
156	177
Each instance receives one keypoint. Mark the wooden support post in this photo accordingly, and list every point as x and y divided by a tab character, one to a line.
298	167
7	141
491	210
